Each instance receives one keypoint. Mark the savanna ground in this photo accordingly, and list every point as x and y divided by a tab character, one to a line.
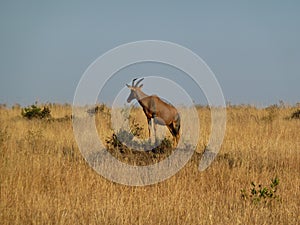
45	180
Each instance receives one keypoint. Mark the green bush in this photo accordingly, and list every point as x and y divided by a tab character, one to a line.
34	111
258	193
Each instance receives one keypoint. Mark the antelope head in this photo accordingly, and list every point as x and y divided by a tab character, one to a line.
134	89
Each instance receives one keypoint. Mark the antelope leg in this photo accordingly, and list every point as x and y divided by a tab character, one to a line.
149	127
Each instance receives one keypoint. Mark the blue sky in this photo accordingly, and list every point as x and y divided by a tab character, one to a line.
252	46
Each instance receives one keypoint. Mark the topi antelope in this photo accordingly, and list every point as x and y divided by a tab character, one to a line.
154	108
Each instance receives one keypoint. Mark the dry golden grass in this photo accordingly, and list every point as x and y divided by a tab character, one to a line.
45	180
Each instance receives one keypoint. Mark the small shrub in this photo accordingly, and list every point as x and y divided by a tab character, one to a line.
36	112
258	193
296	114
126	137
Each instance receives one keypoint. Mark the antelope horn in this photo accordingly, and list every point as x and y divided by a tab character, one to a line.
133	82
139	82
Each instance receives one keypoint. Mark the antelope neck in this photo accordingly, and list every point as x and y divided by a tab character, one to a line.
140	95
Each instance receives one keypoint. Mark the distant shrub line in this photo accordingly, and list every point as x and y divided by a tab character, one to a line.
37	112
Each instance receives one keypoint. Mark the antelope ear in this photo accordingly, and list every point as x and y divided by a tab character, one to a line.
141	86
128	85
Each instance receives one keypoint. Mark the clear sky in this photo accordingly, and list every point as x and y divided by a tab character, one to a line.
253	47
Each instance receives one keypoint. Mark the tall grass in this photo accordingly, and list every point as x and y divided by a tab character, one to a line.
45	180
